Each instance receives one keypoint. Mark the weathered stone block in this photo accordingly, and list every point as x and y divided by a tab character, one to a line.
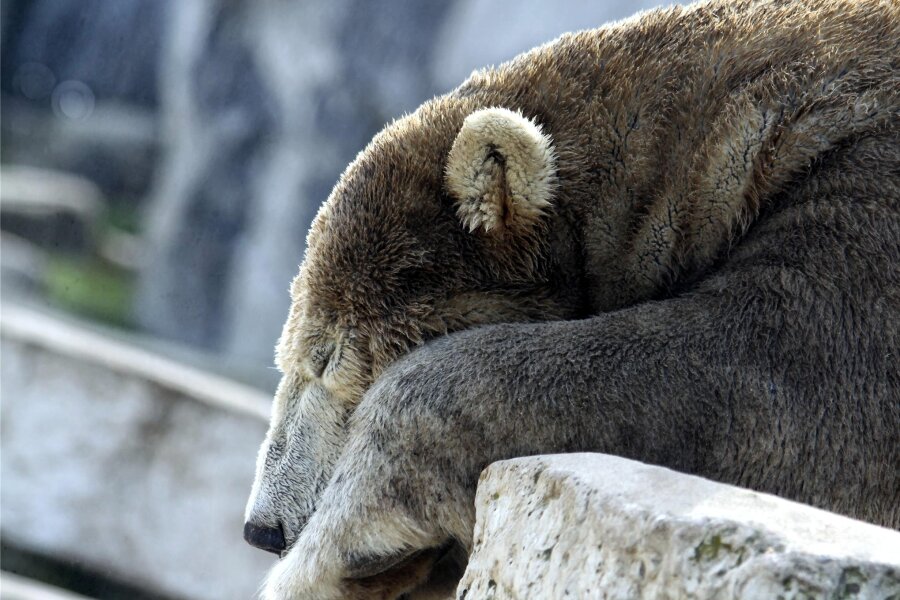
597	526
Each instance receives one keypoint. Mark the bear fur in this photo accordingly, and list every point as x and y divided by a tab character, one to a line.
675	239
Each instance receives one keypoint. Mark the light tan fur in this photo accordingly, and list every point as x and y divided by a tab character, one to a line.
502	170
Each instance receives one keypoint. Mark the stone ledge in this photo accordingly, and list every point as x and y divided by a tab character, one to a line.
13	587
77	342
126	462
598	526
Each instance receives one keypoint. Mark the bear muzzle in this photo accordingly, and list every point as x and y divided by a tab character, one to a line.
270	539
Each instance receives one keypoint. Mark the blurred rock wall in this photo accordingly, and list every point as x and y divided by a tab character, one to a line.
109	46
263	106
79	86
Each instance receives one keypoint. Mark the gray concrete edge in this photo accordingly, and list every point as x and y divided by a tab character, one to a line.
69	339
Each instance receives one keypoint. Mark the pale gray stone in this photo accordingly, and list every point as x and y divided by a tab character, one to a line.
125	461
13	587
597	526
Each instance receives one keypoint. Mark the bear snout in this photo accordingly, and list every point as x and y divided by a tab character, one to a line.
264	537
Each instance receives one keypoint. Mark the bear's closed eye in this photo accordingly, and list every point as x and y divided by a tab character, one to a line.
320	356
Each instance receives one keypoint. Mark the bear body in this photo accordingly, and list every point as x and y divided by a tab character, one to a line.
674	239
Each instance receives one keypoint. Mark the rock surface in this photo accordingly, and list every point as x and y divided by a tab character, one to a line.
126	462
597	526
19	588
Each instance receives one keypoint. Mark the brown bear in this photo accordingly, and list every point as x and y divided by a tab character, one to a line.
674	239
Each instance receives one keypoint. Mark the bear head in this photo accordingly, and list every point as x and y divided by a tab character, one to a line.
442	223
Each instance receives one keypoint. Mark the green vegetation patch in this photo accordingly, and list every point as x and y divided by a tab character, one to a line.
91	288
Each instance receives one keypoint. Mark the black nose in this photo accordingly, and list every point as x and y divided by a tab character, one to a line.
264	537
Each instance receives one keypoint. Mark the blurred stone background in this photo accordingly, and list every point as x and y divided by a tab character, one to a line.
160	163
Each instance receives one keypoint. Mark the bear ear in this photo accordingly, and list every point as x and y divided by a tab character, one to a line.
502	171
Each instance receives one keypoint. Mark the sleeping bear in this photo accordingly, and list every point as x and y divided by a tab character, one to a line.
674	239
